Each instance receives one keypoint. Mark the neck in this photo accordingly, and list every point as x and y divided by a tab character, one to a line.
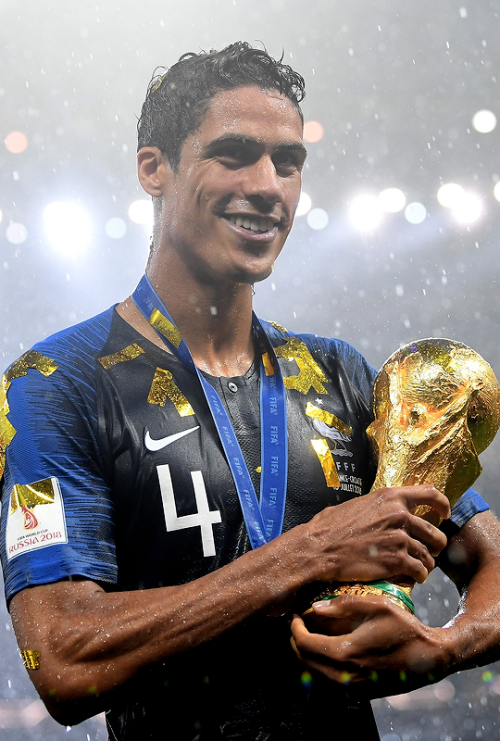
214	320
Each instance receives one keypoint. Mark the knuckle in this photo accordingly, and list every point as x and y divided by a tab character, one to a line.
399	521
397	516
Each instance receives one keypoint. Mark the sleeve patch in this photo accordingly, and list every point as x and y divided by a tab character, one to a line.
36	517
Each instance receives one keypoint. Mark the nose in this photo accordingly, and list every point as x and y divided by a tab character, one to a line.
263	183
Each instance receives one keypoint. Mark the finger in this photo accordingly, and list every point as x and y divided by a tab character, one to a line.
428	534
421	494
420	553
300	634
314	643
361	611
409	557
419	559
318	653
356	607
298	626
294	646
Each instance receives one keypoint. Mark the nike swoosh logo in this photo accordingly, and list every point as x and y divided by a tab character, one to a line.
154	445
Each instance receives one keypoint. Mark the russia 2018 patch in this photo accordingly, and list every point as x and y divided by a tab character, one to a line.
36	517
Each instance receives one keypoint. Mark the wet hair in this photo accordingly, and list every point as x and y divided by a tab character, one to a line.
177	100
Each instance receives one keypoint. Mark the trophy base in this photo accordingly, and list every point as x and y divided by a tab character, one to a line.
317	623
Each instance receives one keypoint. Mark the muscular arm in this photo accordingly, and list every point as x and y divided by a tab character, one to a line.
472	561
394	647
91	641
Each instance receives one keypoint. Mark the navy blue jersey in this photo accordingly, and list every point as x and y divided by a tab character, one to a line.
114	472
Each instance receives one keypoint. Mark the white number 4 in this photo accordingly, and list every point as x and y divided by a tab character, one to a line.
204	518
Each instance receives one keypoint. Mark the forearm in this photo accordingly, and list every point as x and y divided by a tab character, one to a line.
92	639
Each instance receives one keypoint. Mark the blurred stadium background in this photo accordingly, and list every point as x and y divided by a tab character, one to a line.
397	235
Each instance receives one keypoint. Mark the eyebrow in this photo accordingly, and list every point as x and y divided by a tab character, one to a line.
248	140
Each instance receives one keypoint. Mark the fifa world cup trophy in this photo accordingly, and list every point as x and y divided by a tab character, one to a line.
436	404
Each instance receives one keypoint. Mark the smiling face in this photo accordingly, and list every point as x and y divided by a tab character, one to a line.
229	207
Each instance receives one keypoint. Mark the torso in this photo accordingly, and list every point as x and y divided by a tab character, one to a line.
173	515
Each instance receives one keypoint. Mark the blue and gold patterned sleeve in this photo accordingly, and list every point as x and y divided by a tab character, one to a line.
57	512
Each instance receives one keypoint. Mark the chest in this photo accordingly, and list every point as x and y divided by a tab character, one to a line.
177	512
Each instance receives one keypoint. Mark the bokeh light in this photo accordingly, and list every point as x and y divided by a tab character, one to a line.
415	212
304	206
466	207
16	233
469	209
365	213
484	121
306	679
313	131
496	191
392	200
67	226
115	228
16	142
450	195
141	212
317	218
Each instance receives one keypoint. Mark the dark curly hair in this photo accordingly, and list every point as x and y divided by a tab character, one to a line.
177	100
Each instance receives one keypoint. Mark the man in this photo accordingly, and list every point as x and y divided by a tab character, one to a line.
145	576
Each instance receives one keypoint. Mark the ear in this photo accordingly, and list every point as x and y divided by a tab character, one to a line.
152	170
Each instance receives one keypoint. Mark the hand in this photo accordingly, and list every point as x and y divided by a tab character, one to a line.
389	651
377	536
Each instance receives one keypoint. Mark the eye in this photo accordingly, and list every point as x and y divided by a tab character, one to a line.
233	155
288	162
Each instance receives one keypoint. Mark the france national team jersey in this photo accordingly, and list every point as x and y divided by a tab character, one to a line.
114	472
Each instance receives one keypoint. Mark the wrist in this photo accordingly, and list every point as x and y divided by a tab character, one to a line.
444	651
297	557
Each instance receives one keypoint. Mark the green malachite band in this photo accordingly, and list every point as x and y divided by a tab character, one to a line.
384	586
389	588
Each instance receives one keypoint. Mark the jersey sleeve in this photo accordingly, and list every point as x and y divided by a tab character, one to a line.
361	374
57	511
469	504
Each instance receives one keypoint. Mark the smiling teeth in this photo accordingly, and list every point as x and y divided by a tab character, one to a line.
255	225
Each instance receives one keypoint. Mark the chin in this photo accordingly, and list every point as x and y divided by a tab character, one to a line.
258	276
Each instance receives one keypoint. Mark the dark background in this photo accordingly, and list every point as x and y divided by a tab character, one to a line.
395	85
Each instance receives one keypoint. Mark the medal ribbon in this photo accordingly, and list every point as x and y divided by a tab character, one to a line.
264	520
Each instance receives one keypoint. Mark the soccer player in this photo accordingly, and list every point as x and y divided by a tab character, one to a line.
177	471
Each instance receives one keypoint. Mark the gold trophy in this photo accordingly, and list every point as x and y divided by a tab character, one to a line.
436	404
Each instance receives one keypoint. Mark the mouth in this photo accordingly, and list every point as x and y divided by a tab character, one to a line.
255	224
